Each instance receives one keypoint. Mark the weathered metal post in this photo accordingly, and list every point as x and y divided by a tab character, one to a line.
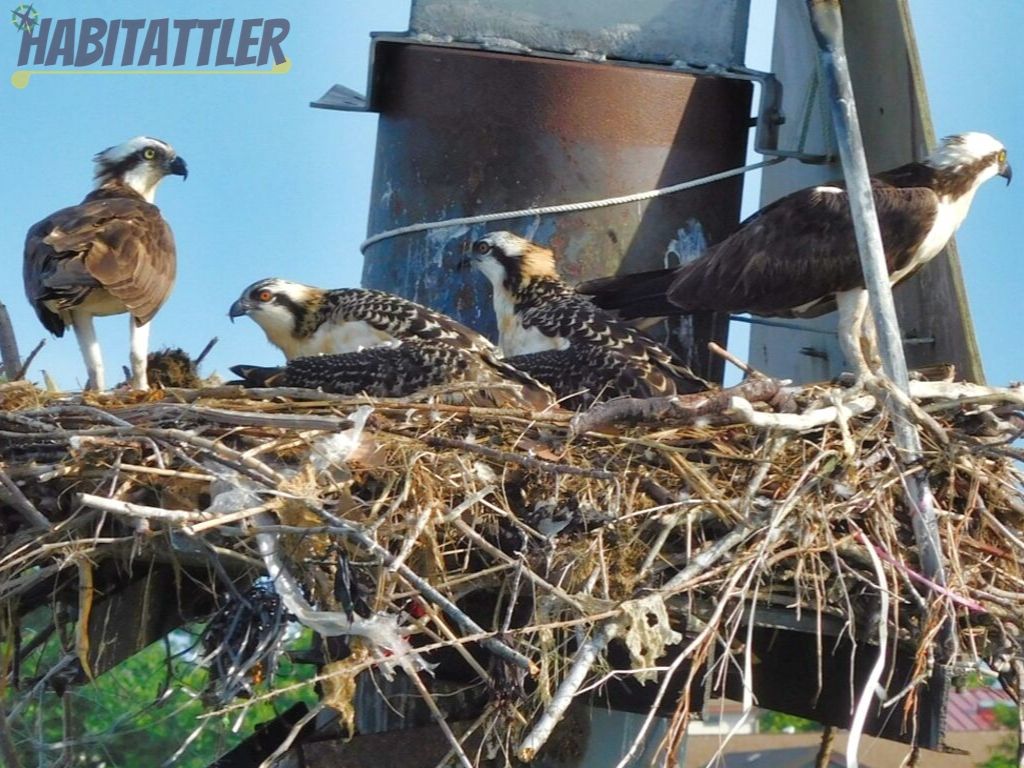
526	105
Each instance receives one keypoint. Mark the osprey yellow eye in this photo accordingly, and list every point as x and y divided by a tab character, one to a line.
482	247
149	153
1002	155
264	295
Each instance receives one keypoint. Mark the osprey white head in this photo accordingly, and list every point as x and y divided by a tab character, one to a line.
140	163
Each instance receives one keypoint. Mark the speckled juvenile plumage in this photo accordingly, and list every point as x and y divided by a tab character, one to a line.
538	312
399	370
304	320
582	374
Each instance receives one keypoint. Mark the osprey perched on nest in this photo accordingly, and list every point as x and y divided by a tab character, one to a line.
350	325
798	256
110	254
547	328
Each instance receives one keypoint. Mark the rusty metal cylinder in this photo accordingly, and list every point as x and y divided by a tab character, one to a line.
465	132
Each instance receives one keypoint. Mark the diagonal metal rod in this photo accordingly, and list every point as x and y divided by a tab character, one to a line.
827	23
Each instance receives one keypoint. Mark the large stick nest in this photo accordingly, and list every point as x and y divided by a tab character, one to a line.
394	522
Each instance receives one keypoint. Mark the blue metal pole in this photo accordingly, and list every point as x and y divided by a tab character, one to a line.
826	20
828	30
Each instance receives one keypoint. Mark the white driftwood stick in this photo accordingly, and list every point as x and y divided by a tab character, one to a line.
140	510
581	664
867	695
797	422
958	390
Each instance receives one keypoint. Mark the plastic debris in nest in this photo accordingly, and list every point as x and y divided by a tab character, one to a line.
600	534
242	643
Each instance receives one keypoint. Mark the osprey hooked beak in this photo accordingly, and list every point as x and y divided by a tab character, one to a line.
177	167
239	308
1007	173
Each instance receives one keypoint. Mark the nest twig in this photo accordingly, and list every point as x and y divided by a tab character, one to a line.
658	535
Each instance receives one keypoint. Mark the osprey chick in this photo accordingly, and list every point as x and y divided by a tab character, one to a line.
403	369
538	312
797	257
110	254
304	321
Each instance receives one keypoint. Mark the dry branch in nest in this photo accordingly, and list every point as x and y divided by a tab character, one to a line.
530	544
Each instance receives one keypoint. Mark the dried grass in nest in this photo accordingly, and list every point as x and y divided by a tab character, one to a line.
660	534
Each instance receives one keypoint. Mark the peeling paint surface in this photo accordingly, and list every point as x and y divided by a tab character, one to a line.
660	31
467	132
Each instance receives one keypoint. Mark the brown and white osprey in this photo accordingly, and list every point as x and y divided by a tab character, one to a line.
538	312
403	369
581	374
304	321
798	256
112	253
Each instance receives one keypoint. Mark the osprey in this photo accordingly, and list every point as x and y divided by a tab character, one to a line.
402	369
582	374
304	321
110	254
798	256
538	312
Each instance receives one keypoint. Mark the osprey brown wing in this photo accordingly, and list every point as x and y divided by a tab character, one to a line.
789	259
799	254
120	244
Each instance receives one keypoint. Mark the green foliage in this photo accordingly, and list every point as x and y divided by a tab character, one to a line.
779	722
1005	754
1005	715
141	713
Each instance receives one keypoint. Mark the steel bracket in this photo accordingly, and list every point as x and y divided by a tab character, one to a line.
766	123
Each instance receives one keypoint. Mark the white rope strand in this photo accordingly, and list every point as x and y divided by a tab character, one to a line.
564	207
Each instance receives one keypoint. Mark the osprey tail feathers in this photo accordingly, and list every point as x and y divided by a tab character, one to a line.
258	376
643	294
531	391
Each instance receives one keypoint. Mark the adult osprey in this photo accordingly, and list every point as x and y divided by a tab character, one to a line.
110	254
798	256
405	368
538	312
304	321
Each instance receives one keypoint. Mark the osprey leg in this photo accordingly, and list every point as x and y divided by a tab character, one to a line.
139	353
85	332
853	307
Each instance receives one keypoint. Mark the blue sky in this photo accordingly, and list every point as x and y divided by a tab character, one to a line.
278	188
